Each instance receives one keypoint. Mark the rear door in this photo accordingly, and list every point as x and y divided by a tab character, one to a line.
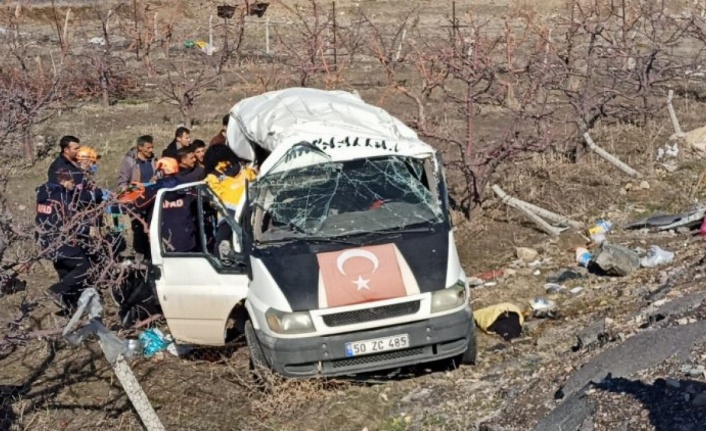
196	288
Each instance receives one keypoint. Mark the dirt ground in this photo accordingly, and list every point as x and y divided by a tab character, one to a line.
48	385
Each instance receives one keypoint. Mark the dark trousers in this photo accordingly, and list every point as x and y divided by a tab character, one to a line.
72	277
140	239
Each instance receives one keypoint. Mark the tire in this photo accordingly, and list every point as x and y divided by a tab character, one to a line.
469	356
259	369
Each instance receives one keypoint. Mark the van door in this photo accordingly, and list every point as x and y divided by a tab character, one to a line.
196	288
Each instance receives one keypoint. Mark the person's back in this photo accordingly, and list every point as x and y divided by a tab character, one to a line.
229	186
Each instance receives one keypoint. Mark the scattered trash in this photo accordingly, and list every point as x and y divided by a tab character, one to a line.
656	256
576	290
490	275
475	281
553	288
599	231
616	260
693	370
537	272
490	283
179	350
583	256
702	230
566	275
526	254
97	41
153	341
644	185
189	43
667	152
207	48
692	219
504	319
542	307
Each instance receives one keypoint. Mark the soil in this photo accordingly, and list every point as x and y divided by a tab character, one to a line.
47	384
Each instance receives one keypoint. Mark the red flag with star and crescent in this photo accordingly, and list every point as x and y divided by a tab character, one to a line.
360	275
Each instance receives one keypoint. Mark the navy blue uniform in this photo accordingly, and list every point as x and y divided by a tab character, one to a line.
61	241
62	162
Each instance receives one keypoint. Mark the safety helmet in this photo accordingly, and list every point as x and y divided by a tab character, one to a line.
87	153
168	166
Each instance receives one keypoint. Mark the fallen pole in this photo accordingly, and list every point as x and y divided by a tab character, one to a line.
540	222
609	157
557	218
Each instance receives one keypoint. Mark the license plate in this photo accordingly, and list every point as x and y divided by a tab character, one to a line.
376	345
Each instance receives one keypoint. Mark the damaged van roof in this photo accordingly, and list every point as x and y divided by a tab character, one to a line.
338	123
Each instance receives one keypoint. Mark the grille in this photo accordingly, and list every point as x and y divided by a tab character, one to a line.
368	314
381	357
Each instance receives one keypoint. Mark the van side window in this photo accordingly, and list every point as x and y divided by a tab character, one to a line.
194	223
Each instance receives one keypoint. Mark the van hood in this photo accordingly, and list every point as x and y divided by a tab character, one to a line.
315	277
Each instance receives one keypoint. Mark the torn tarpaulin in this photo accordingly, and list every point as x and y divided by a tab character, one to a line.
112	345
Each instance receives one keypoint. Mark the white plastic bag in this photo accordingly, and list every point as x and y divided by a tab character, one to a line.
656	256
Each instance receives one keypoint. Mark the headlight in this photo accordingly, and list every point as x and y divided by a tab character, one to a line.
289	323
449	298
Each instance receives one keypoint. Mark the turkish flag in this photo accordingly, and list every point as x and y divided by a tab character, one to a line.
360	275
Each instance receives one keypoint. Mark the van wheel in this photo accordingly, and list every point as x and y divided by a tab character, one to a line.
258	364
469	356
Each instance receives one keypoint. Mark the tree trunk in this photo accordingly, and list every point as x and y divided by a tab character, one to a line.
27	147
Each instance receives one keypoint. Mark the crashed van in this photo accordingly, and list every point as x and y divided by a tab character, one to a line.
346	261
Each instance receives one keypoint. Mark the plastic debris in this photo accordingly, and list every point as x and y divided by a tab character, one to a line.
553	287
583	256
576	290
656	256
542	307
153	341
599	230
566	275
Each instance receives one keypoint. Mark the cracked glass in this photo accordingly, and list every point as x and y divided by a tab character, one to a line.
330	199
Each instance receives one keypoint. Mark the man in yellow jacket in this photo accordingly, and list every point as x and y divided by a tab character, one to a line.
227	179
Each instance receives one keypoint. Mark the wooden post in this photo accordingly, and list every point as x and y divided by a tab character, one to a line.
210	31
673	115
453	26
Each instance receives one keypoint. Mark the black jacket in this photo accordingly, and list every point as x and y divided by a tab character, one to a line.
171	150
192	176
55	214
62	163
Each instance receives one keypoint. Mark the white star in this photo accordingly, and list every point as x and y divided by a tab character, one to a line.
361	283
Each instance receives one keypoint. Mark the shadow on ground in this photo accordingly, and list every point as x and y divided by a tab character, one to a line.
669	409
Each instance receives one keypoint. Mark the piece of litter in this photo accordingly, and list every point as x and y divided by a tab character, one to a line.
576	290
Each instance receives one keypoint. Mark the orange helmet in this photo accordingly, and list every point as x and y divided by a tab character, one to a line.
87	153
168	166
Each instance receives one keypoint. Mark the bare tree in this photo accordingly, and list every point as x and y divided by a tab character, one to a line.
29	94
184	81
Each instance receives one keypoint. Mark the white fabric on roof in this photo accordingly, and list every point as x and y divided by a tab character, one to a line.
338	122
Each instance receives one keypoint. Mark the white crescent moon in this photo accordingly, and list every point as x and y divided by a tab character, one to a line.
356	253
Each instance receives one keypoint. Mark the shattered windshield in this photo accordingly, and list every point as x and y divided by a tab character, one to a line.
335	199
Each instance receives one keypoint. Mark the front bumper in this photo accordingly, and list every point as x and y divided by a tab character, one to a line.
429	340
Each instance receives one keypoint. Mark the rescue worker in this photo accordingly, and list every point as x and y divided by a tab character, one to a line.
113	243
166	173
226	178
66	160
60	240
189	172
